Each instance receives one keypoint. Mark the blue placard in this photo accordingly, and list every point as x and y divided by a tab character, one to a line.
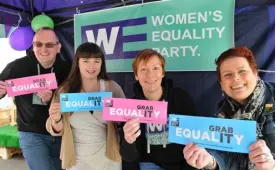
77	102
213	133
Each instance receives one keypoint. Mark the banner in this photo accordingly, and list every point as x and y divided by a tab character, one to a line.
146	111
190	34
32	84
78	102
214	133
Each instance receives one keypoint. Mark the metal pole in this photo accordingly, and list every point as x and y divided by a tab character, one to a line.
111	6
32	8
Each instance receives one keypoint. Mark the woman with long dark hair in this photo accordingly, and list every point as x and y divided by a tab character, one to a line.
88	142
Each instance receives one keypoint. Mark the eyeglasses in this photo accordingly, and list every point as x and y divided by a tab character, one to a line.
47	45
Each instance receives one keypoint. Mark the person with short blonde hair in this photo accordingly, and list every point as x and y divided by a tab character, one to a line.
146	146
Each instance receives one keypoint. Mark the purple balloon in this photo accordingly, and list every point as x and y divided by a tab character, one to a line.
21	38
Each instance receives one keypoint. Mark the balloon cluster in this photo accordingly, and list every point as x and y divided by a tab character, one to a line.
22	37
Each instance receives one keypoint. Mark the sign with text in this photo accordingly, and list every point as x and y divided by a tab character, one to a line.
78	102
32	84
213	133
190	34
146	111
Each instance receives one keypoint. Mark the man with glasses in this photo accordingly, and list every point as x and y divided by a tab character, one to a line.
41	151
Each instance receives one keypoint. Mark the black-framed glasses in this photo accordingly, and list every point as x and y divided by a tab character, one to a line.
47	45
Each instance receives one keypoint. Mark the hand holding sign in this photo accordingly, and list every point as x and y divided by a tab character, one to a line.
122	110
45	95
3	90
79	102
261	156
213	133
132	130
31	84
54	112
198	157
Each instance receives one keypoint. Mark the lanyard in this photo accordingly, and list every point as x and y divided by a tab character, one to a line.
38	69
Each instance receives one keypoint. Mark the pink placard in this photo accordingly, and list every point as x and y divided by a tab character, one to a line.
122	110
32	84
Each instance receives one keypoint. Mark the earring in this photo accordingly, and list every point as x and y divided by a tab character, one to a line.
222	94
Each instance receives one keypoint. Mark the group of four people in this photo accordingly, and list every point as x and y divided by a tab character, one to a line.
83	141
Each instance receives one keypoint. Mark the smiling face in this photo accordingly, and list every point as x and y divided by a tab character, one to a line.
46	47
238	80
90	68
150	74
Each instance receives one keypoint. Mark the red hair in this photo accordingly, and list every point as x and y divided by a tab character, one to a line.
243	52
144	56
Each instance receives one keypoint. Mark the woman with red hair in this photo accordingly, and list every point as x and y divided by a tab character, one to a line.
247	97
145	146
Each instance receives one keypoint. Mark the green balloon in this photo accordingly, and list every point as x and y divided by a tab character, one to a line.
42	21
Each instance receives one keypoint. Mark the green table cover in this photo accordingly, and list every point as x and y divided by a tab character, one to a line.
9	136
